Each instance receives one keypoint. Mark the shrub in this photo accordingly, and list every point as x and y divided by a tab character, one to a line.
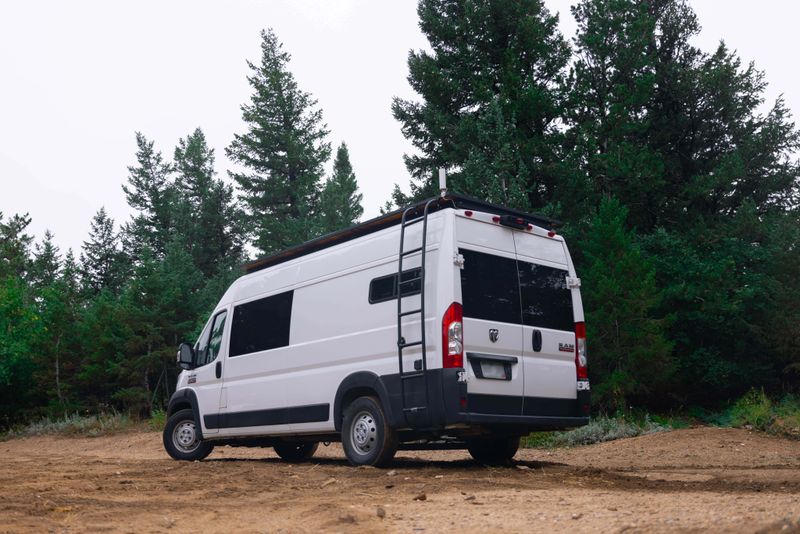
599	429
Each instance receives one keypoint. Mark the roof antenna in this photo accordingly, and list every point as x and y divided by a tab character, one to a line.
442	181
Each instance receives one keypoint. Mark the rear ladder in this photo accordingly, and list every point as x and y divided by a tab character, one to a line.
415	415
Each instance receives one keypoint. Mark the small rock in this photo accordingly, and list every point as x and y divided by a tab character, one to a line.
389	486
523	467
421	497
349	518
391	473
329	482
469	498
439	476
577	516
380	512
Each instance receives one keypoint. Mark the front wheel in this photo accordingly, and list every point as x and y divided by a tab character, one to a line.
296	451
493	451
182	439
367	438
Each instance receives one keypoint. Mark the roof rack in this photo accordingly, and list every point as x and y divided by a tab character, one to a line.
448	201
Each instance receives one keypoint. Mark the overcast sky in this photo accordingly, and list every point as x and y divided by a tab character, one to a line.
77	79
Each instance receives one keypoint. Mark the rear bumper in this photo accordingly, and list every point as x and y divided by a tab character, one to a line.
448	404
537	422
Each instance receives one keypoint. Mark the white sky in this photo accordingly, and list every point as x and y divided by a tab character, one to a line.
78	78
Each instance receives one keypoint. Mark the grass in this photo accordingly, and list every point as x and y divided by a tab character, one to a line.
755	410
101	424
599	429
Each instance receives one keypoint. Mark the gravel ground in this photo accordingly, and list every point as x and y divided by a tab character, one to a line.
700	479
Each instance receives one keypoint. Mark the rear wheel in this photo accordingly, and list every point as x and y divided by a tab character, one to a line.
296	451
182	437
367	438
493	451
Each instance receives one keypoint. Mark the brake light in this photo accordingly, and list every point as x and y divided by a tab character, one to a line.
580	351
453	337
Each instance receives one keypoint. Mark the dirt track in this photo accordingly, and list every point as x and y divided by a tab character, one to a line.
696	480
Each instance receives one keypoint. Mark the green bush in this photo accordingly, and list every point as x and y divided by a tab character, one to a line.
75	425
599	429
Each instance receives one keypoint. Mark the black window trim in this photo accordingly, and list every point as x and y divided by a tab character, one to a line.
410	273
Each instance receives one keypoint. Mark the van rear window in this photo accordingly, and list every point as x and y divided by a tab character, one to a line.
546	299
490	287
505	290
262	324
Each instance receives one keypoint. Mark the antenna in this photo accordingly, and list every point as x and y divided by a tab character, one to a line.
442	181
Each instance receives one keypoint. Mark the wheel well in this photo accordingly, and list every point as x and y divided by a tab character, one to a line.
183	405
353	394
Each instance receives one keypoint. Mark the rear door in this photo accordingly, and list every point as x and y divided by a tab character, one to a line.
492	329
548	331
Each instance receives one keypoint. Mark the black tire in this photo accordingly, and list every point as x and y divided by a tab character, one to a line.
296	451
181	438
493	451
367	438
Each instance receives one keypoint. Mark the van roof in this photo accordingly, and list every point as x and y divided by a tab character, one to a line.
448	201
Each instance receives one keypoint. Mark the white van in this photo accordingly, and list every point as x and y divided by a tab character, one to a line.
453	323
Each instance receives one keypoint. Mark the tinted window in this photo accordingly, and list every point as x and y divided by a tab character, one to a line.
261	324
385	288
490	287
546	300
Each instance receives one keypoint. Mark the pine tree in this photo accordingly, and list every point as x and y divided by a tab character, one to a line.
207	217
630	354
284	150
491	100
14	246
45	265
340	203
103	265
149	192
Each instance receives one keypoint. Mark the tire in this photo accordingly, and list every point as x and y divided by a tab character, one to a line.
367	438
296	451
493	451
181	438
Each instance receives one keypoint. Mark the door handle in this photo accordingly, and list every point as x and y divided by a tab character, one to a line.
536	340
219	369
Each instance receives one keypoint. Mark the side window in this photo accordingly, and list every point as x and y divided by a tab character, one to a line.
385	287
201	347
207	347
262	324
546	299
490	287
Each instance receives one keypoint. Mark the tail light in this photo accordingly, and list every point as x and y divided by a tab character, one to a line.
453	337
580	351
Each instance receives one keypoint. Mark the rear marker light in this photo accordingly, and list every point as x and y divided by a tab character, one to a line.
453	337
580	352
468	213
551	234
496	219
530	227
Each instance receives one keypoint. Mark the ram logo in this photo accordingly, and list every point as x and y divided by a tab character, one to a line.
566	347
494	335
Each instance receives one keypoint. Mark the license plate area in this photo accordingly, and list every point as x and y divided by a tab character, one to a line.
491	366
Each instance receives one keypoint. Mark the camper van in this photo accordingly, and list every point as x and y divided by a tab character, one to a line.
453	323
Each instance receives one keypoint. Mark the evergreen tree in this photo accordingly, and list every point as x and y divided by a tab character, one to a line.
492	100
340	203
45	265
149	192
630	354
284	150
103	265
14	246
207	216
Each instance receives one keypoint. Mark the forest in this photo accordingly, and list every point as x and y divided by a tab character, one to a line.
676	183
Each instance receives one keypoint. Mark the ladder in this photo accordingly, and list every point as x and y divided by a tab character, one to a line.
414	414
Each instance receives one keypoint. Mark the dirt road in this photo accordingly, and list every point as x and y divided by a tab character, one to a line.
688	480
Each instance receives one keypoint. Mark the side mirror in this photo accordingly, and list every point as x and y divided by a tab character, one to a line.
186	356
